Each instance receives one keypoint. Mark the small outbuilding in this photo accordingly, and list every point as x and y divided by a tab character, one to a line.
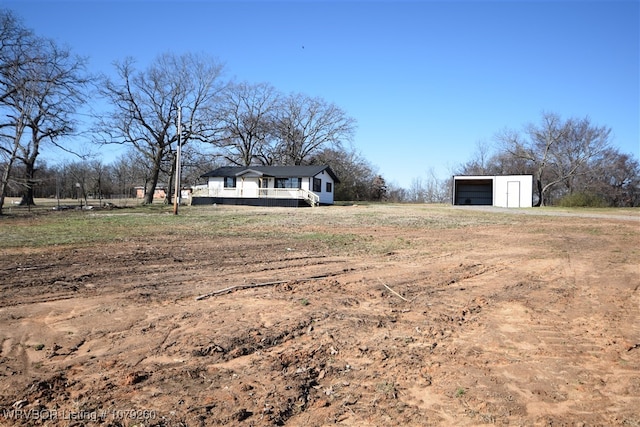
507	191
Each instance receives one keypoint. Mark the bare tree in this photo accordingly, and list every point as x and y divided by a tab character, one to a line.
416	192
245	123
556	150
356	174
396	194
128	170
481	162
42	85
614	178
15	51
572	156
430	189
196	162
484	162
17	47
81	177
307	125
145	107
503	163
57	90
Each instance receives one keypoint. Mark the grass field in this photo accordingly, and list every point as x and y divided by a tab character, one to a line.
130	218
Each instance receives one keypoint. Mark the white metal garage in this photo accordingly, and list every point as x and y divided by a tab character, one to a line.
508	191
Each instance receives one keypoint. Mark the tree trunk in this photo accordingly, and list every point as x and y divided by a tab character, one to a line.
27	196
4	183
29	175
150	188
155	174
540	194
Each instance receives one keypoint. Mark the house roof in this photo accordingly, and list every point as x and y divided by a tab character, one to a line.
271	171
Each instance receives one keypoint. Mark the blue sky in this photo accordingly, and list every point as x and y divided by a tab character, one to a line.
425	80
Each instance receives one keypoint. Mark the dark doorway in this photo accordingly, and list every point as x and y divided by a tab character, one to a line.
473	192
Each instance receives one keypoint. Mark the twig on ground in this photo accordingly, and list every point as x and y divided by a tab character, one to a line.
257	285
237	287
394	292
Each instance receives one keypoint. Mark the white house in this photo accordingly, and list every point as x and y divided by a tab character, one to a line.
267	186
508	191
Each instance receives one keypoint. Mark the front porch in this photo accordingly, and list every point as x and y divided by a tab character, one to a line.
204	195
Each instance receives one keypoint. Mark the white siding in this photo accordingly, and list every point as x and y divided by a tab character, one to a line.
216	188
326	198
513	191
248	187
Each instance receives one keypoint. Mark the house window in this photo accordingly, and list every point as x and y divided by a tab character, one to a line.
288	183
229	182
329	187
317	185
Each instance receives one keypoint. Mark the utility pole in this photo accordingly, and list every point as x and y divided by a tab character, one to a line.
176	197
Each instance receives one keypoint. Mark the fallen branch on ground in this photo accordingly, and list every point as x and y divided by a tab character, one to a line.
237	287
394	292
258	285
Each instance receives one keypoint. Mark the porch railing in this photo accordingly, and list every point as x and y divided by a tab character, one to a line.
290	193
269	193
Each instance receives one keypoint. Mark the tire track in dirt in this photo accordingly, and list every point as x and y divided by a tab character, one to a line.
73	280
505	331
528	331
414	337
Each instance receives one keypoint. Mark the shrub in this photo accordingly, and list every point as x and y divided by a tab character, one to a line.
582	200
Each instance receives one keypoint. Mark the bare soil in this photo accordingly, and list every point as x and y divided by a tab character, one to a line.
385	316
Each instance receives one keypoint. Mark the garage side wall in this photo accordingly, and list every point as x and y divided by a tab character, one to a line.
513	191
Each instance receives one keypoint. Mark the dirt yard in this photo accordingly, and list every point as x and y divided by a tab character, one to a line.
366	316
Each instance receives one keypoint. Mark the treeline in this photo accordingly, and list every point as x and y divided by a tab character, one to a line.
125	177
184	99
